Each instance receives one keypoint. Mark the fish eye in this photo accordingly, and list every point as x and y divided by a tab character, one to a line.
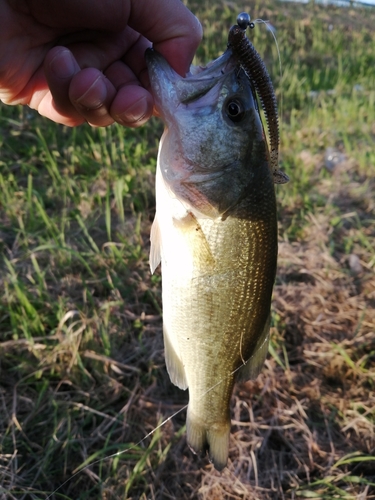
234	110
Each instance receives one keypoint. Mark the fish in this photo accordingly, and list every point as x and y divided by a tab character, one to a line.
215	236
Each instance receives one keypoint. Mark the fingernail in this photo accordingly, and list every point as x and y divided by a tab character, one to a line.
63	64
95	95
134	113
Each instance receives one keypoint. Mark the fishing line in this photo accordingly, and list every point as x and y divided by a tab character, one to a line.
271	30
268	24
119	453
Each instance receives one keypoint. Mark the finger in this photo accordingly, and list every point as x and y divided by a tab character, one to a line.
37	95
98	49
132	105
46	108
92	93
77	94
134	59
59	68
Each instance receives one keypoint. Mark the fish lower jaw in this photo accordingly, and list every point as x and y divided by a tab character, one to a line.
212	438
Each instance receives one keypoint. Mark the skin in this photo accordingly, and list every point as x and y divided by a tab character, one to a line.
80	60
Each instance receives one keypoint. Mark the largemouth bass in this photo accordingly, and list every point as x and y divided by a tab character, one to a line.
215	234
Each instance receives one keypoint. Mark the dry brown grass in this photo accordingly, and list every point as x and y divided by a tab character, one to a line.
312	405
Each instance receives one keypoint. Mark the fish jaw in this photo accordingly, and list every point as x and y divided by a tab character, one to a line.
170	90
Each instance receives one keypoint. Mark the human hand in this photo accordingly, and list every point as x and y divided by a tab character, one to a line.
83	60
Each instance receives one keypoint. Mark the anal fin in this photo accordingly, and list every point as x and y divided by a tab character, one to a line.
196	241
155	250
174	364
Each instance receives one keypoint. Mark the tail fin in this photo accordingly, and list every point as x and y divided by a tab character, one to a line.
202	437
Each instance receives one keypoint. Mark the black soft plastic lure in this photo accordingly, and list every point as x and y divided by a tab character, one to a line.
255	69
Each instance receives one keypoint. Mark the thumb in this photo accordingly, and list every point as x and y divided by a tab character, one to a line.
174	31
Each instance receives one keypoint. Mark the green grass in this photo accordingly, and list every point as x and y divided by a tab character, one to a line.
82	373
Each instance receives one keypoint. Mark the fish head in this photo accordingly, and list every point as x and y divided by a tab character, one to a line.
213	150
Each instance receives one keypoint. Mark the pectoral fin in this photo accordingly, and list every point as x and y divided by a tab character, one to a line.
196	241
254	364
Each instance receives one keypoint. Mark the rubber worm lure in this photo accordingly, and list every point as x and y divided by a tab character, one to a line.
255	69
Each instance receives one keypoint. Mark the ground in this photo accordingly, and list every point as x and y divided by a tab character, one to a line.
82	372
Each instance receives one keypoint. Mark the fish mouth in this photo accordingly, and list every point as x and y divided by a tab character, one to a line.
170	89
